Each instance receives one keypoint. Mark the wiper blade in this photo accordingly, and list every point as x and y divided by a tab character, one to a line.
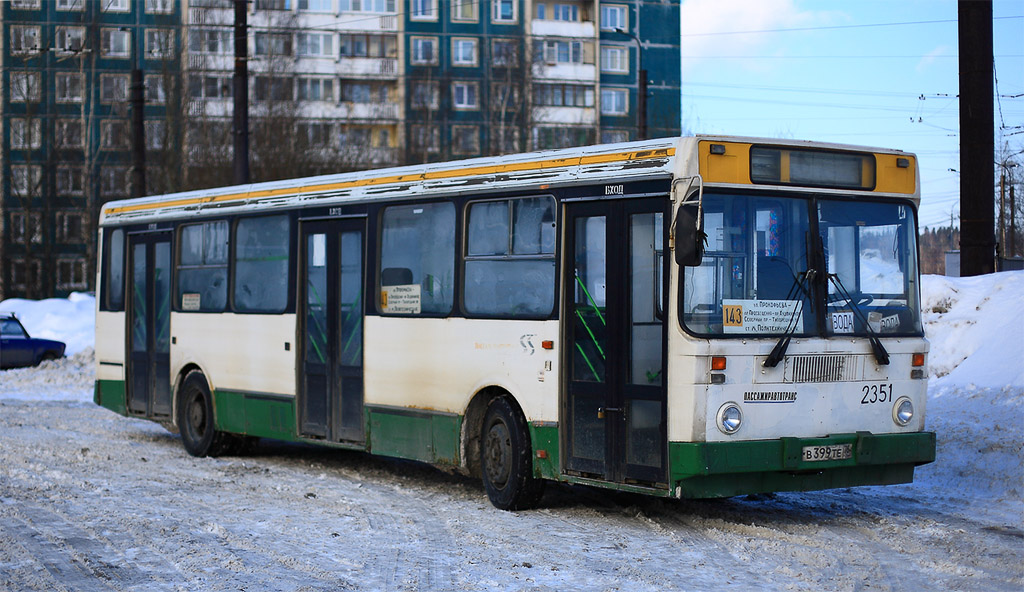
796	289
881	355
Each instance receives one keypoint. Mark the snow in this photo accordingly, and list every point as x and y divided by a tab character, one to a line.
91	500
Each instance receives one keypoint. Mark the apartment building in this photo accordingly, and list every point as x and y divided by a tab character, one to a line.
334	85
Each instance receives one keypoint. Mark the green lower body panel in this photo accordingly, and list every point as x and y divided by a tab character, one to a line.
110	394
544	437
252	414
722	469
426	436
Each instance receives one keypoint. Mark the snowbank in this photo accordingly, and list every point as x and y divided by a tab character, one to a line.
71	319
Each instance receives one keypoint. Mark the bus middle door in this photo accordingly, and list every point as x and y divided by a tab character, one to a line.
614	326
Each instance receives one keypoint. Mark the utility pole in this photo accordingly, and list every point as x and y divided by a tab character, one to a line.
641	86
977	143
240	118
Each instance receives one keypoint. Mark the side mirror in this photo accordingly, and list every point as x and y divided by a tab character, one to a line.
690	241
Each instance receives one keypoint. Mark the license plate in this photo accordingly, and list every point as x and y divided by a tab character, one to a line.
831	452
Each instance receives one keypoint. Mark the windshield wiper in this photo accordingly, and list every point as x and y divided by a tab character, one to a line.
796	289
881	355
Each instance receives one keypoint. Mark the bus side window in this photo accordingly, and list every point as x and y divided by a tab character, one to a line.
421	239
203	267
114	270
510	265
261	264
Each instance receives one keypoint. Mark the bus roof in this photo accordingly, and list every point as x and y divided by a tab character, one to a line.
627	161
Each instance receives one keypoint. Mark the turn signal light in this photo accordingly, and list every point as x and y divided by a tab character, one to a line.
718	363
547	344
917	360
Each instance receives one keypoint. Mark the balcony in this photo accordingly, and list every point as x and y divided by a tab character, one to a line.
563	29
369	67
381	112
568	71
565	115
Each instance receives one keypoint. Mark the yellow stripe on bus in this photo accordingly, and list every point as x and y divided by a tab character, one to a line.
445	174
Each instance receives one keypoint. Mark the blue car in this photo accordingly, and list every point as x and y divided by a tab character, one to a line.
17	349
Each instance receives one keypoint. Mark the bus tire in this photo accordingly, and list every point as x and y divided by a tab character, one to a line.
195	418
506	458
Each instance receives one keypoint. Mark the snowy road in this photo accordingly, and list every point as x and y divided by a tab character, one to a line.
93	501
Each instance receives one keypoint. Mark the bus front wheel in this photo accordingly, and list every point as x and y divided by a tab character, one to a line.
195	418
506	459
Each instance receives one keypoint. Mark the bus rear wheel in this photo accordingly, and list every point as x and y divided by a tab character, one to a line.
506	459
195	419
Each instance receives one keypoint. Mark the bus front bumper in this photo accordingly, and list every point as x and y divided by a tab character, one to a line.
723	469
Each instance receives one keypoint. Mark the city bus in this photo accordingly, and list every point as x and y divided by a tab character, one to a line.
690	317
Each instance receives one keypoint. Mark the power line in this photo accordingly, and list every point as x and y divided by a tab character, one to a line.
836	27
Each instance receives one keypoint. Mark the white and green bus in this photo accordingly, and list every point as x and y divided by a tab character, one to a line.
686	317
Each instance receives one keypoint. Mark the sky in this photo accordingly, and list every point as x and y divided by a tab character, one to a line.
869	72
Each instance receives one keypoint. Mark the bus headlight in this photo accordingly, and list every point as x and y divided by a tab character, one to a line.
903	411
729	418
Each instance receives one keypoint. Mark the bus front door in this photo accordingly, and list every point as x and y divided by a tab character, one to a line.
149	326
330	404
614	315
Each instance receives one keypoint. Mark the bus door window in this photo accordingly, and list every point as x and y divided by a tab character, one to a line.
589	300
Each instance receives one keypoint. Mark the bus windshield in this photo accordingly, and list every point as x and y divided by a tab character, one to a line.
761	272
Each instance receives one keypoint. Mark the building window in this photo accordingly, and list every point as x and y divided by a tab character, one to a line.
313	135
68	87
614	136
464	95
315	89
363	91
417	249
70	226
560	52
211	41
505	53
69	181
26	180
160	6
115	43
426	138
24	40
156	89
368	46
25	4
566	12
26	226
315	45
273	44
464	52
367	5
316	5
510	258
159	43
203	266
270	88
156	134
423	10
273	4
209	86
114	134
614	59
614	17
350	138
71	274
505	97
114	181
563	95
426	95
505	139
76	5
547	137
464	10
68	133
113	88
614	101
465	139
25	87
114	5
69	40
26	133
504	11
424	50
